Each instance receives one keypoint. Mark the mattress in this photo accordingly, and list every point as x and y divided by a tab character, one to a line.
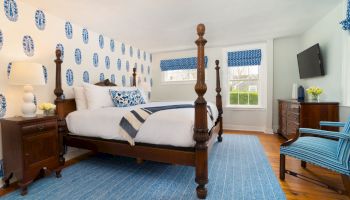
169	127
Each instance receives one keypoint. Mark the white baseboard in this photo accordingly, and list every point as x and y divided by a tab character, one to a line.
275	128
247	128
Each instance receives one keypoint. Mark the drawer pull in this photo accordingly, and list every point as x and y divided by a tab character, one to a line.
27	154
46	126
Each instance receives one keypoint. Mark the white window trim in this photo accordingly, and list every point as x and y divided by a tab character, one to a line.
262	77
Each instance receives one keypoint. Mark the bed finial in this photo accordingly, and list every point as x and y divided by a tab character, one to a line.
200	29
58	54
217	63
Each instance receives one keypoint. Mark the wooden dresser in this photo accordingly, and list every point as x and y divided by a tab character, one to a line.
30	149
294	115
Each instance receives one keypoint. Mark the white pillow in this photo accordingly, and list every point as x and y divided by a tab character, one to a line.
98	96
80	99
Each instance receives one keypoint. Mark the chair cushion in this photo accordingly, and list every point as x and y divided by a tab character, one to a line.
319	151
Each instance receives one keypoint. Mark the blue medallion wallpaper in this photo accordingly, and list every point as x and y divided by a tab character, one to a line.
30	34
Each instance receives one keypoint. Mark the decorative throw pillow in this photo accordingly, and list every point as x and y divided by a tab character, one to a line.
126	98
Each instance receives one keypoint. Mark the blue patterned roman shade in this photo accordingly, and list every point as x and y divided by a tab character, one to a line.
181	63
346	22
244	58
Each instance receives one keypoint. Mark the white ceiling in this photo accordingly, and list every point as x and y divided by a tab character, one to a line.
165	25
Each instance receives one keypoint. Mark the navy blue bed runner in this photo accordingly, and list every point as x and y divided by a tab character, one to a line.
133	120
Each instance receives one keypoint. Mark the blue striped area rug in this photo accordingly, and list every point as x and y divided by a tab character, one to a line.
238	169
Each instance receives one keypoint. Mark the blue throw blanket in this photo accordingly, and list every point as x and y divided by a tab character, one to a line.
132	121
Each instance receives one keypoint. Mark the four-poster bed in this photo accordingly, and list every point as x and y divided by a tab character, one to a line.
196	156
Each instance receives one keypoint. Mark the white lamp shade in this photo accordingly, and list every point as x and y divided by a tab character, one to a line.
26	73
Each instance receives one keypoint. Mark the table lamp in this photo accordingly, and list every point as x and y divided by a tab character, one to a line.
27	74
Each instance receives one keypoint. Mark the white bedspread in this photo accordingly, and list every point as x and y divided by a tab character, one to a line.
168	127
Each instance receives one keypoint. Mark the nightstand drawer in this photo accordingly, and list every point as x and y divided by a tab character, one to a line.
293	117
40	148
295	108
42	127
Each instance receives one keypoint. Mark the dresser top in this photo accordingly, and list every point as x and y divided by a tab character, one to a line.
308	101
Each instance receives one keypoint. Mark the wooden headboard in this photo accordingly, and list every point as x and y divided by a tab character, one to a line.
105	83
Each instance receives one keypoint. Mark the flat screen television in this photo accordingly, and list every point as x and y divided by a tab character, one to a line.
310	62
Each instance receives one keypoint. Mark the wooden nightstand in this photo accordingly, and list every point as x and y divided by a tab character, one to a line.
30	149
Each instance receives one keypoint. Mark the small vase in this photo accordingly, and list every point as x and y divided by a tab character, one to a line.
316	98
47	112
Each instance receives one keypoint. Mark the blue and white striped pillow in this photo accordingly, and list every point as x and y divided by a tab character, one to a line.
126	98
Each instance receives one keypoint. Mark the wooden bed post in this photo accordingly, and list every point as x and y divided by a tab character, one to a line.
61	119
58	90
219	99
201	135
134	76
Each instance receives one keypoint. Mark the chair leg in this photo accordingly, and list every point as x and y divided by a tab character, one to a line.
303	164
346	183
282	166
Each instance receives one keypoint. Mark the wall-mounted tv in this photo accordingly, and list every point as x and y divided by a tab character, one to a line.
310	62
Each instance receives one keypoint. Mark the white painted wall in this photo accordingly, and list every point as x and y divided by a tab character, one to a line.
237	119
335	47
328	33
285	71
333	41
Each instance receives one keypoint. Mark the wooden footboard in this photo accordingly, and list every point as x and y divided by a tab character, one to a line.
195	156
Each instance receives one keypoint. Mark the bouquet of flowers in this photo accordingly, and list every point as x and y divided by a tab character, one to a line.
315	92
47	108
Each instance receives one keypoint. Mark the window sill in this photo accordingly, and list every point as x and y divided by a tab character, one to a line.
246	108
178	82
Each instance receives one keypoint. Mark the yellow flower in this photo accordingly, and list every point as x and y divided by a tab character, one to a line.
47	106
314	90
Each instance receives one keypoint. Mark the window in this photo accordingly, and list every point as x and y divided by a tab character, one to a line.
243	85
245	76
180	69
180	75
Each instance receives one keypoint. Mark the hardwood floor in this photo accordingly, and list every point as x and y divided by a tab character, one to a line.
294	188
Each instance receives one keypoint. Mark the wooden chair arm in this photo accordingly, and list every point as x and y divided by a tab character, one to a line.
291	141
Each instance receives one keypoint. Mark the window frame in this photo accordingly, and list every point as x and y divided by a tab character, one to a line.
262	88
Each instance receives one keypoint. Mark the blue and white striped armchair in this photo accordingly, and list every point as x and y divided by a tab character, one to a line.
327	149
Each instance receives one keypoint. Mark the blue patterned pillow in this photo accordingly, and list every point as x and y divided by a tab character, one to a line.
126	98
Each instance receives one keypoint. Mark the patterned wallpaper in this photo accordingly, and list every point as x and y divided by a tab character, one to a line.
29	33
